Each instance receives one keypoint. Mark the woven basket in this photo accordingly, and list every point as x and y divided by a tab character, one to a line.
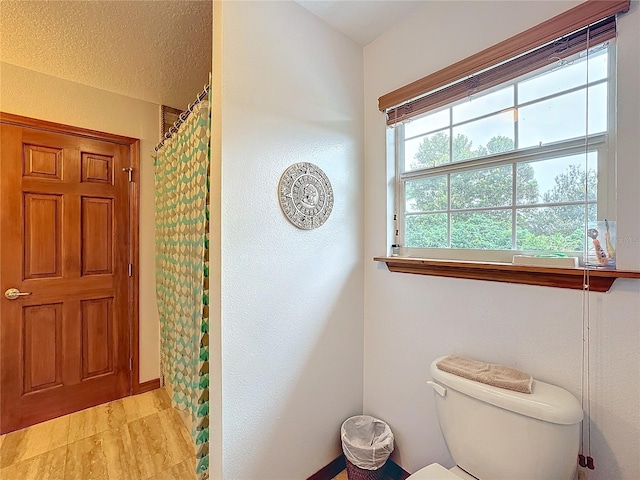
357	473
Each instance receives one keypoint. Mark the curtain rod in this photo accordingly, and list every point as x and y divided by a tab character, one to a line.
183	117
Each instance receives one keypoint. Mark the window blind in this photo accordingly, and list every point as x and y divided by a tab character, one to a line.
444	87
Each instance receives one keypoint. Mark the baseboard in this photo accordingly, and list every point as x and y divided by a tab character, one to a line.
331	470
147	386
392	471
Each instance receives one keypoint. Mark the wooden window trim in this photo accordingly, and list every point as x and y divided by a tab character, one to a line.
538	58
573	278
573	19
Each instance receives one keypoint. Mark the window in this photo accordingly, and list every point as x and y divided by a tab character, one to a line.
505	169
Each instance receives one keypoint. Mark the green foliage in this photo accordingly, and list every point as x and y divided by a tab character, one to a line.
569	186
556	242
499	144
428	231
539	228
481	230
427	194
490	187
433	151
559	228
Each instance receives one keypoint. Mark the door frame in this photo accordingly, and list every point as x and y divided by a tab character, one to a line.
134	230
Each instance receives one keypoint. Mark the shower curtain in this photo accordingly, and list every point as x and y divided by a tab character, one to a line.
182	273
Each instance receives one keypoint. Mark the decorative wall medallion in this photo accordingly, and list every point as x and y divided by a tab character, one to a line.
306	196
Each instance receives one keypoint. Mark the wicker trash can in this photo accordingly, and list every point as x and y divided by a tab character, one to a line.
357	473
367	443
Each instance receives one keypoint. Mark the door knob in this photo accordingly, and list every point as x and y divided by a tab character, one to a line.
14	293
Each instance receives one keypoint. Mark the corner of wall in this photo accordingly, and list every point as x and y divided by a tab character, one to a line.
215	277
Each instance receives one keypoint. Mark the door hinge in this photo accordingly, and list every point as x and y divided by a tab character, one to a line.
129	170
130	364
130	270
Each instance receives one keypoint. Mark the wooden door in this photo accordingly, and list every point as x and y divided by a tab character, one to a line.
65	241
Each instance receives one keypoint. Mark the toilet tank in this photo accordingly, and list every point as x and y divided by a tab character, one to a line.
498	434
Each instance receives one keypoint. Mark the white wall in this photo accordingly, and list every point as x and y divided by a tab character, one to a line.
291	299
215	253
32	94
538	329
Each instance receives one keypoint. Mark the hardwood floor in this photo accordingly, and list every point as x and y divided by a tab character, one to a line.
135	438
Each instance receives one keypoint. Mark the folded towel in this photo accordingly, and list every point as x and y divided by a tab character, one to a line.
489	373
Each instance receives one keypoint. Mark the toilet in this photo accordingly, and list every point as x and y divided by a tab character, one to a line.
498	434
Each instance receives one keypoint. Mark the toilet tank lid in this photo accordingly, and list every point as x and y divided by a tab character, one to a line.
545	402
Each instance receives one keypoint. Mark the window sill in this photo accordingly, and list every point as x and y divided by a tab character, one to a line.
599	280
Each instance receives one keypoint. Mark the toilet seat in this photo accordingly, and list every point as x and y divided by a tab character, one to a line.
462	474
435	471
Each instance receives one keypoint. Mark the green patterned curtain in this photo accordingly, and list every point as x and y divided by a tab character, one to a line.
182	273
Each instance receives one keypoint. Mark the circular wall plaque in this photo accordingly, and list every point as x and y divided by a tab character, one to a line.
306	196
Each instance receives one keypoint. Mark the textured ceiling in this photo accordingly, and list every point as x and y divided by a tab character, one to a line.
154	50
362	20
